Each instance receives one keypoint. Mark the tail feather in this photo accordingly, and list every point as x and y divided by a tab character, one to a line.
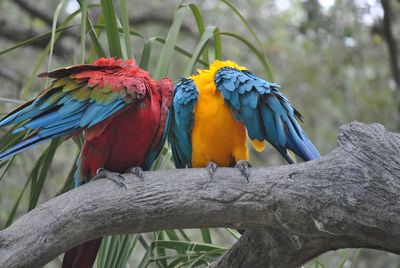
303	148
22	146
82	256
311	151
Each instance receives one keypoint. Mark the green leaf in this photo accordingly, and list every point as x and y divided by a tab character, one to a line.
184	235
246	24
208	34
83	4
171	40
115	250
201	27
96	46
355	258
341	265
146	53
62	27
217	44
171	234
260	56
128	245
35	39
26	89
182	51
40	170
53	34
120	30
233	232
110	21
186	246
205	233
203	259
160	250
147	259
125	27
253	33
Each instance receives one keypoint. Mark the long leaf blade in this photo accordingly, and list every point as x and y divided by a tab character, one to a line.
110	21
169	47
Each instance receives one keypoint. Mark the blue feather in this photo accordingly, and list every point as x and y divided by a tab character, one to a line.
266	112
59	130
107	111
56	113
22	146
185	98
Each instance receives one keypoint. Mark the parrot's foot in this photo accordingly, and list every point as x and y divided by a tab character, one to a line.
112	176
138	171
211	168
243	166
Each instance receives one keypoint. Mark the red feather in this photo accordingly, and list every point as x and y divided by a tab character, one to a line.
123	140
120	109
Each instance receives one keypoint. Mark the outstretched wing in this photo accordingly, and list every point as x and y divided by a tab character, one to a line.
266	112
79	98
185	98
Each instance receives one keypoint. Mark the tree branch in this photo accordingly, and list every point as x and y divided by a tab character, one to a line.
135	21
43	16
349	198
34	12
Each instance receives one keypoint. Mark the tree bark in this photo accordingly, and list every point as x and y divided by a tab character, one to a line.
349	198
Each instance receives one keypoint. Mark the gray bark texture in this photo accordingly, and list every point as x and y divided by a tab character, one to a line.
349	198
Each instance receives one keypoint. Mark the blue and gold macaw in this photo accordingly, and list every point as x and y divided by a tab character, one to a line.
212	110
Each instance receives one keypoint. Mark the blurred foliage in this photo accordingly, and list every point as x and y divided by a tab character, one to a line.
329	56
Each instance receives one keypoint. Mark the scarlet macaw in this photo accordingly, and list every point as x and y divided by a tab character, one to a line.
213	109
122	112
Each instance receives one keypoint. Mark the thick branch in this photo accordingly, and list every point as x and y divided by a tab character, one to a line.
349	198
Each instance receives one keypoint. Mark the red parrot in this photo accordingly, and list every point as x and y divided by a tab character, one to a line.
122	112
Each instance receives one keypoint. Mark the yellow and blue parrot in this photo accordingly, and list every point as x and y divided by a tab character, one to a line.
212	110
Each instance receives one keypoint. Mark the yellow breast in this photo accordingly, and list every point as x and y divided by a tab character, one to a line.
216	135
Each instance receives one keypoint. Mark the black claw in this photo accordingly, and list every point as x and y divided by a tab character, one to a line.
243	166
138	171
112	176
211	168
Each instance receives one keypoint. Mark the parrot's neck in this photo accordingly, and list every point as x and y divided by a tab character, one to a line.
204	79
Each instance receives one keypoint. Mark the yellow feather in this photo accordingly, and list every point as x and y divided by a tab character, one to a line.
259	146
216	136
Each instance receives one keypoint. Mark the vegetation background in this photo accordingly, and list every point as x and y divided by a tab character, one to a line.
337	61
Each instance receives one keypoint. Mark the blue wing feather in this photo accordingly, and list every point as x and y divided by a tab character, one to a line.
57	113
22	146
185	98
266	112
